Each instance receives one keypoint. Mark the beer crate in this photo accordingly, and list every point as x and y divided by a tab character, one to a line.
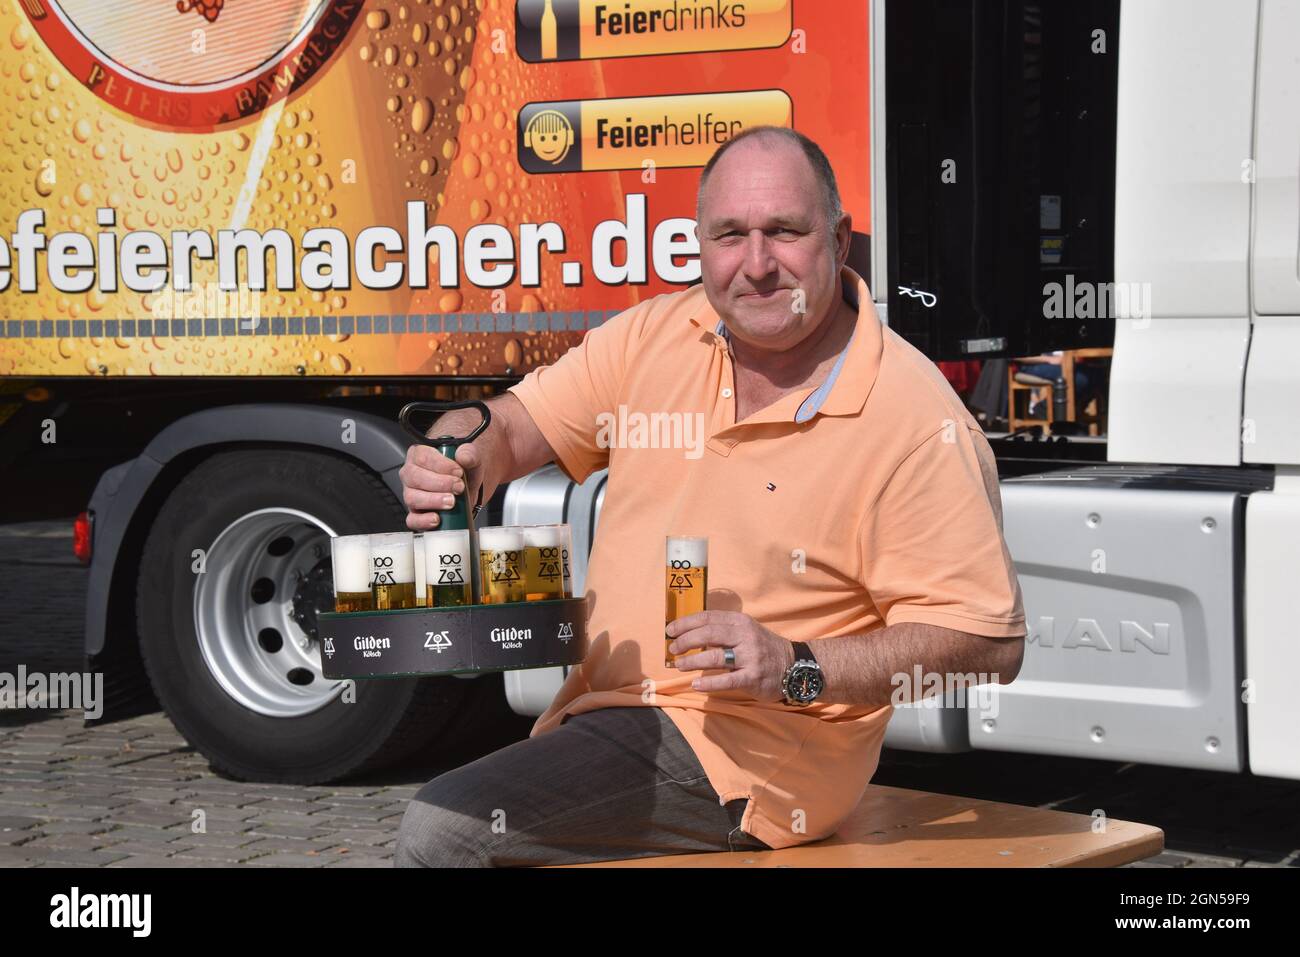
453	640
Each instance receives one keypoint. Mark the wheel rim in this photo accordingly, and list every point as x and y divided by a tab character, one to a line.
264	578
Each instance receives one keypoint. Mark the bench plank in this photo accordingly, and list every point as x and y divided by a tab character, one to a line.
897	827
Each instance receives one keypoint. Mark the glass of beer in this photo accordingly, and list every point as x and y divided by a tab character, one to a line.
421	594
543	563
566	546
687	569
501	564
350	555
392	567
446	562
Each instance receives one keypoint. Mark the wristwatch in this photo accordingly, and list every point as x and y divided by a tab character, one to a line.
803	680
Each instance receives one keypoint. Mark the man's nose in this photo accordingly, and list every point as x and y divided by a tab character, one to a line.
759	261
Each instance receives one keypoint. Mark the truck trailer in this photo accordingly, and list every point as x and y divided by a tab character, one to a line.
236	243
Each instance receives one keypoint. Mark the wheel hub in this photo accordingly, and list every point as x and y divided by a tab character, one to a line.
263	581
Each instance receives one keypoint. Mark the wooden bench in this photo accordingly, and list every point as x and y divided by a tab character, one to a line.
895	827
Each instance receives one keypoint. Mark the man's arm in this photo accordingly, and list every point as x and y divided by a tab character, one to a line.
880	667
510	447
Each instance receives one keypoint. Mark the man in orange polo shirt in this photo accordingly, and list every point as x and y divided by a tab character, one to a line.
854	529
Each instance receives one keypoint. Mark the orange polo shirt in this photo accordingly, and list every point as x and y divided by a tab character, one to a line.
881	507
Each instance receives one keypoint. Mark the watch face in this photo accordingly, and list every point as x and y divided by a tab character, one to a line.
805	683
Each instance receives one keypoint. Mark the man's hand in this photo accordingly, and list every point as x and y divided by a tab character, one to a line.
430	479
762	656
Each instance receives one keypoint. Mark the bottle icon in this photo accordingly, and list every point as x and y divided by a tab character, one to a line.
550	40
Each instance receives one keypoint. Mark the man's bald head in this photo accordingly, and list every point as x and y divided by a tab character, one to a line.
782	138
772	238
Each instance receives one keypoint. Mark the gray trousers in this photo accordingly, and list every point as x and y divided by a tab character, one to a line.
605	785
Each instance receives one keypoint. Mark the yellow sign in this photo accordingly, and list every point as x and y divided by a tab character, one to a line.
599	29
629	132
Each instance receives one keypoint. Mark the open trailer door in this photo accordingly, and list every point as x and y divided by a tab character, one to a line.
1000	174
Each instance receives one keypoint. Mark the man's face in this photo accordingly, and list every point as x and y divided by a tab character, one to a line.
770	265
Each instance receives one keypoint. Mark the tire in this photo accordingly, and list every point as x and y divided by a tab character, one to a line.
254	707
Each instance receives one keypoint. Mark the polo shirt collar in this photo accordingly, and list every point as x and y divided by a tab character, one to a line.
849	383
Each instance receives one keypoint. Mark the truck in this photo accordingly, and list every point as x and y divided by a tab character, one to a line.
231	254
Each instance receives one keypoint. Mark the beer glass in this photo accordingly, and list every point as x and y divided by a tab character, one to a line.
421	593
501	564
350	555
392	566
446	562
687	571
566	547
543	563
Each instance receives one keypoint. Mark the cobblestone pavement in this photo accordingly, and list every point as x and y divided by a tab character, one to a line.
125	794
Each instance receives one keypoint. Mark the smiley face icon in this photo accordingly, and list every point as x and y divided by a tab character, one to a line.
550	136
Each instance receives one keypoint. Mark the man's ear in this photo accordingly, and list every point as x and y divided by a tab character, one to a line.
843	239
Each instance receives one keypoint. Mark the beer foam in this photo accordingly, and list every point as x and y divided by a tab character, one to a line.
453	541
542	536
500	538
396	553
693	550
351	557
420	577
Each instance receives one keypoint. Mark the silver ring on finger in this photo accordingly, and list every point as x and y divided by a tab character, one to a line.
729	656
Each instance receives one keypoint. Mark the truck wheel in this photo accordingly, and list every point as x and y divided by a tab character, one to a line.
233	573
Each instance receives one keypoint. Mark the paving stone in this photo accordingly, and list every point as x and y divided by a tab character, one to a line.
346	837
71	842
368	815
289	830
213	840
146	834
14	856
147	817
215	812
15	822
57	855
280	818
157	848
144	860
285	860
353	860
220	855
75	827
267	845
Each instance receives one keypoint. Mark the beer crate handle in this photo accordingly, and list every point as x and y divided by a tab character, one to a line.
443	442
460	515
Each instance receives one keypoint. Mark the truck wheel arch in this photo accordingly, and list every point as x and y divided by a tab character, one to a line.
128	495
